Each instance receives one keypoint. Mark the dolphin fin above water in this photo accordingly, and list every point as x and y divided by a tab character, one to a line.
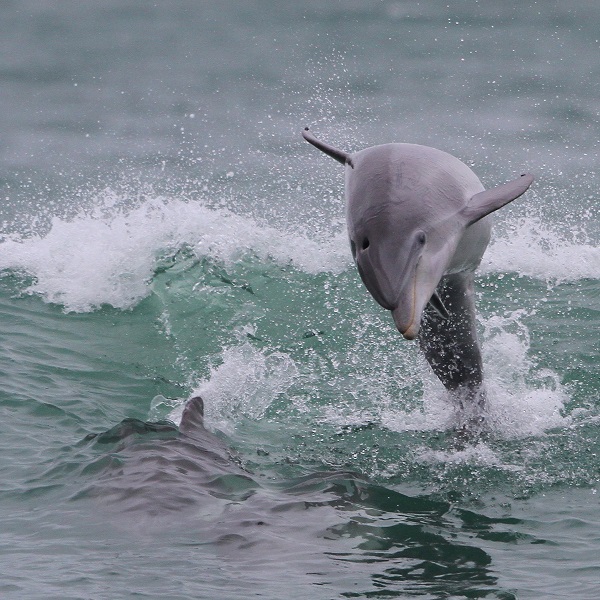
192	418
339	155
489	201
418	222
158	469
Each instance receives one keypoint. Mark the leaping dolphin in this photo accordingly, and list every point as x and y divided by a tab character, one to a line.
418	222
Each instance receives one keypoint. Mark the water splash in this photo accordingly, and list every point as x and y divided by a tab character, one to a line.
532	249
524	400
243	385
108	255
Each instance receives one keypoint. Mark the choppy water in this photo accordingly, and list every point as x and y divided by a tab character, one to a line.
165	231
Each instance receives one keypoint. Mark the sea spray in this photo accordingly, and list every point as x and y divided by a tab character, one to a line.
531	248
109	255
245	384
524	399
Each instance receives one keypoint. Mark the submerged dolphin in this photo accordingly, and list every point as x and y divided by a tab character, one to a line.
157	469
418	225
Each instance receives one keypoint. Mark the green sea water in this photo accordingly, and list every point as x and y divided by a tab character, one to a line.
167	232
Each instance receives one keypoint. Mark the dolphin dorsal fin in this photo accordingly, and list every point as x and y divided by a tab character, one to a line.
192	418
339	155
488	201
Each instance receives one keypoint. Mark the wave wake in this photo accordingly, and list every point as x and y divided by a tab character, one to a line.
531	249
109	256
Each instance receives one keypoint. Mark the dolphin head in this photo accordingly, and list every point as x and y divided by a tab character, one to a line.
404	224
400	259
412	214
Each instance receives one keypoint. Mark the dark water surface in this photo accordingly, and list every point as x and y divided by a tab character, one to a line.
166	231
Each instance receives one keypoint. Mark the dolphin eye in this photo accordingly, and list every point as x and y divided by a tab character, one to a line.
422	238
365	243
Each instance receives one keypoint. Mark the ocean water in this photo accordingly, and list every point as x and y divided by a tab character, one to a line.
165	231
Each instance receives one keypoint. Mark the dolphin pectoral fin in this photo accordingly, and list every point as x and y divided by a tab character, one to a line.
436	303
339	155
488	201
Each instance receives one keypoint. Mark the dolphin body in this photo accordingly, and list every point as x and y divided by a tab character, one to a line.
157	469
418	221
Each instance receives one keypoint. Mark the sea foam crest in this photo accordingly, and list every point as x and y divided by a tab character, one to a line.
108	256
532	249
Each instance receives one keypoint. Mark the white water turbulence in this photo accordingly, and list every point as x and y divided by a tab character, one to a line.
523	399
243	385
525	402
108	256
532	249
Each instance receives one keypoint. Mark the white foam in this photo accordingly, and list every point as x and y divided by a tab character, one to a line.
523	400
436	412
108	256
532	249
243	385
480	454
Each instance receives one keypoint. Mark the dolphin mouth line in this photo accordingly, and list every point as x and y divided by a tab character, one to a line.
414	309
411	324
410	332
435	302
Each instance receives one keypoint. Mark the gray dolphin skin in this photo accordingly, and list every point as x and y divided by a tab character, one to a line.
158	469
418	222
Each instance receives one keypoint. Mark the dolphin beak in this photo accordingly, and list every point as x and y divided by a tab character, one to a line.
412	302
410	332
405	286
407	315
403	300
